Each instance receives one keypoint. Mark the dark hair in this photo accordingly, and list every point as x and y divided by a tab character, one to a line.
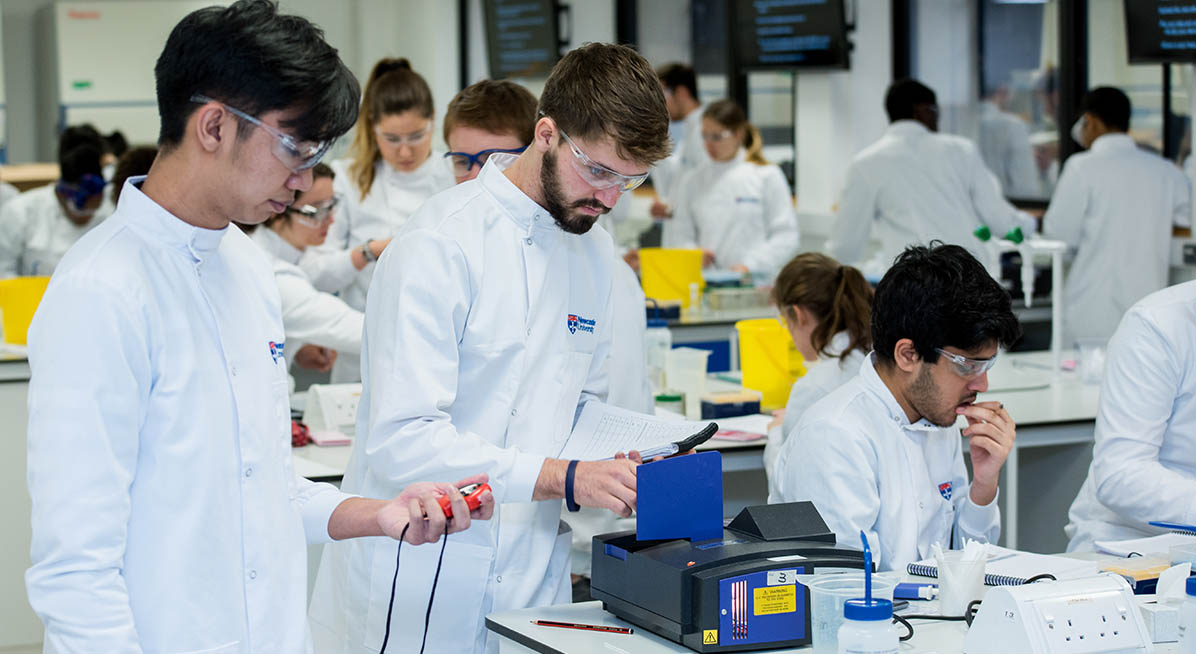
601	91
319	171
940	296
838	296
249	56
498	107
133	162
904	96
80	148
116	144
678	75
1110	105
729	114
393	88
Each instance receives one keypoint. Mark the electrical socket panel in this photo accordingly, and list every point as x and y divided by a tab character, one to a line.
1095	615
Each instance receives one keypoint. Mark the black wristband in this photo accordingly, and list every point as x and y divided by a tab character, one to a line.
570	503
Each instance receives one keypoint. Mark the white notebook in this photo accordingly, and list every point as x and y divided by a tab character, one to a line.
1160	544
603	430
1006	567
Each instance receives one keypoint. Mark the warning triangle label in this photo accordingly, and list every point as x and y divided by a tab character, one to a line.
710	637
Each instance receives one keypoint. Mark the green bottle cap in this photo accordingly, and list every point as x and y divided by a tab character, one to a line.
1015	235
983	233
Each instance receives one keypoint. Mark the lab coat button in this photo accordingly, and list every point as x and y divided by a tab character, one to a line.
498	579
514	412
528	240
234	371
248	472
253	574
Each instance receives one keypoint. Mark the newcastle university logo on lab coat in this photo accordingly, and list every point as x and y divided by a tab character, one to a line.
276	350
945	490
577	323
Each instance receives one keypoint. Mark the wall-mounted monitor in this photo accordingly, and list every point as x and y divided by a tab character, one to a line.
522	38
1160	31
788	34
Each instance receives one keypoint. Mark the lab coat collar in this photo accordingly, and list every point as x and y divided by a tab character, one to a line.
876	385
740	157
147	215
906	128
520	208
1113	142
403	179
272	242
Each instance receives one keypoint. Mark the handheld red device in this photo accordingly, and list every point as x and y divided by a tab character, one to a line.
473	498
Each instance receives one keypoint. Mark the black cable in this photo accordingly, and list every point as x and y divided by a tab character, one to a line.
393	583
432	596
969	614
1046	576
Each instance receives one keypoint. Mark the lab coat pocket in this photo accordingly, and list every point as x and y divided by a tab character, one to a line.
227	648
458	609
571	378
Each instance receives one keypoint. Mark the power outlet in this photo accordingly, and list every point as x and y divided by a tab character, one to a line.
1095	623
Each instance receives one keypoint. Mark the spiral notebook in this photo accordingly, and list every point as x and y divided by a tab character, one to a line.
1006	567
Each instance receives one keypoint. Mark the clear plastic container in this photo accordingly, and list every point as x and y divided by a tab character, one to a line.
868	627
1187	620
829	592
685	371
658	340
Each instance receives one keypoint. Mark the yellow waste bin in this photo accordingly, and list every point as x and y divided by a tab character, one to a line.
769	360
19	298
667	273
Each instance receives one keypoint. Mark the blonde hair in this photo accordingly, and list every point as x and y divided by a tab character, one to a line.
730	115
393	88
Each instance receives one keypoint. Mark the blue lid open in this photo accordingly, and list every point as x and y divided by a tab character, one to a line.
868	611
1192	586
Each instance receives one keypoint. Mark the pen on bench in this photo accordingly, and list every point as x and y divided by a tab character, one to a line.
583	627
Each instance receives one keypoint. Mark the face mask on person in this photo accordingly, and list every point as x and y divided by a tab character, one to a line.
1077	132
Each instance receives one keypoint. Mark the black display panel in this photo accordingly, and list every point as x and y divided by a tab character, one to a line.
787	34
521	37
1160	31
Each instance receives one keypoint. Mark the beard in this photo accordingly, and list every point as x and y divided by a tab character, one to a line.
558	207
927	400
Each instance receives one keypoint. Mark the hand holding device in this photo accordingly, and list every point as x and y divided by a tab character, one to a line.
473	498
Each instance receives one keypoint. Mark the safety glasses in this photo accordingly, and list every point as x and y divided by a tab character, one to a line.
463	162
315	215
297	157
599	176
717	137
965	367
398	140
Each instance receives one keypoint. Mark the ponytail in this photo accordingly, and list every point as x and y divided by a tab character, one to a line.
393	88
838	297
754	146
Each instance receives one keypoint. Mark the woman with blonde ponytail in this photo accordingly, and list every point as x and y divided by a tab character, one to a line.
390	171
827	308
737	207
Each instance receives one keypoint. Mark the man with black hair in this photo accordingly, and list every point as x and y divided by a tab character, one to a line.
882	453
38	227
915	185
1114	204
166	513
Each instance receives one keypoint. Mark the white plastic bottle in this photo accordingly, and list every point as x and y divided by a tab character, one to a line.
1187	620
658	340
868	627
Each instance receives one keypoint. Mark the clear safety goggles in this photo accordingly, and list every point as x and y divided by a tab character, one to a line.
463	162
599	176
398	140
315	215
965	367
716	137
297	157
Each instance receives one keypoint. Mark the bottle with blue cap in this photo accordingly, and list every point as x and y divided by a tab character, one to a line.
1187	620
868	622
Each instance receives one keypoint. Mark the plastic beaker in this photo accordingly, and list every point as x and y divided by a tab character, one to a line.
19	298
960	581
1092	359
829	591
685	371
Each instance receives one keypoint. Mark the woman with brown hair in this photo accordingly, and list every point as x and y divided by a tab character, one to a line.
827	308
391	170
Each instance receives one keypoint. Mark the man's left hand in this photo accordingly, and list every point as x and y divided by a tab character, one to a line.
419	506
991	433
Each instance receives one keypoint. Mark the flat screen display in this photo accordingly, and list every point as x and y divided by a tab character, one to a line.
772	34
1160	31
521	37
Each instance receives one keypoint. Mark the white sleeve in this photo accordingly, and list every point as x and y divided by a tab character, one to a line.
1064	219
12	240
780	221
415	320
972	521
1141	384
992	208
681	231
848	243
91	380
310	316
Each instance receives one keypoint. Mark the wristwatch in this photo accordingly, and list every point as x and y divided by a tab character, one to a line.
366	252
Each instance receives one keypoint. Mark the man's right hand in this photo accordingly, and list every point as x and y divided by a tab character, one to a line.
608	484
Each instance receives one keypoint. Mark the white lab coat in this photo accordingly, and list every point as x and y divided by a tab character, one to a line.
308	315
741	211
1114	206
392	199
822	376
865	467
689	153
914	186
35	232
1144	461
7	192
166	514
473	363
1004	142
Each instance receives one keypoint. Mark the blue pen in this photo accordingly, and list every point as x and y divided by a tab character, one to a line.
1174	526
913	591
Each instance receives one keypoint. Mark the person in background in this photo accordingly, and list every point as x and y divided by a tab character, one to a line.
1114	206
1144	461
915	185
133	163
488	327
1003	139
737	207
115	147
881	454
391	170
167	515
309	316
39	226
680	85
827	308
485	118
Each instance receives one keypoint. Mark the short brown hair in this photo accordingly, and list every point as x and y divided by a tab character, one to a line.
602	90
499	107
838	296
319	171
393	88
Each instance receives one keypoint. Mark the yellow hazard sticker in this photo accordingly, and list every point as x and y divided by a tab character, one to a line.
775	599
710	637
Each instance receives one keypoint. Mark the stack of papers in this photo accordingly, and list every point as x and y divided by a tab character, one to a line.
602	431
1160	544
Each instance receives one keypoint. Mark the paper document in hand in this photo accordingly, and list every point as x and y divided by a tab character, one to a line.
603	431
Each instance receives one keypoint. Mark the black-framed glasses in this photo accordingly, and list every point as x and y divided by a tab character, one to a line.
463	162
